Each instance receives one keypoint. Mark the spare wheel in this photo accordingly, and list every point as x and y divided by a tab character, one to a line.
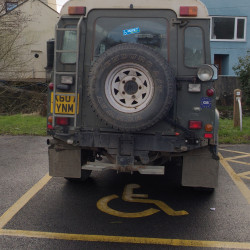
131	87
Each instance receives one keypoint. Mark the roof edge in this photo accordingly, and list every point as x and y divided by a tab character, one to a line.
138	4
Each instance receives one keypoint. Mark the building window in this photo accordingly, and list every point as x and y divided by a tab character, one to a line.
228	28
10	6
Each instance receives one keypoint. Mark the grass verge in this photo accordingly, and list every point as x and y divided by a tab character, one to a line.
231	135
23	125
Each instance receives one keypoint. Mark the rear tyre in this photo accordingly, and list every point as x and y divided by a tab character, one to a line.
84	176
204	190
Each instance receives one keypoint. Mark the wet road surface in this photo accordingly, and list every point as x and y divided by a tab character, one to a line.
119	211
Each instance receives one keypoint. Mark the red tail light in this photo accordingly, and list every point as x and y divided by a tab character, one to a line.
62	121
195	124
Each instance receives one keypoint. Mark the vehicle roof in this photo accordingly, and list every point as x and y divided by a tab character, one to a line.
137	4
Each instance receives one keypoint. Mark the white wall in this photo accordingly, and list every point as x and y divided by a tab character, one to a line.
33	40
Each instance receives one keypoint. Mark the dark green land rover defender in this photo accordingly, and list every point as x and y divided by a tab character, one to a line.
132	90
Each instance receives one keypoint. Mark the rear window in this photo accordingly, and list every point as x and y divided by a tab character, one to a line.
112	31
194	47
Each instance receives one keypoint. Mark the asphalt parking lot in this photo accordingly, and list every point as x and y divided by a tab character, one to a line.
40	212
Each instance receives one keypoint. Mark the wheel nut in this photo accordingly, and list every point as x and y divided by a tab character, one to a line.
133	78
133	96
123	92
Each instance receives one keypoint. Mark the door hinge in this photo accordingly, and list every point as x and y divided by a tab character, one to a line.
181	23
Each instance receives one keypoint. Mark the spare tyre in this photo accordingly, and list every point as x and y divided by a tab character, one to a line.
131	87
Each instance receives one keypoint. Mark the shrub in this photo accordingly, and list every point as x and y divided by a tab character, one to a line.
242	69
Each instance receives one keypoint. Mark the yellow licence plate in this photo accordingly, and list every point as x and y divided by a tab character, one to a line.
64	104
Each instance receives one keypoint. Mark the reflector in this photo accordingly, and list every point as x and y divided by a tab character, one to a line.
188	11
210	92
51	86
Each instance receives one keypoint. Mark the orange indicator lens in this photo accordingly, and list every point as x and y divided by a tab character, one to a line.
209	127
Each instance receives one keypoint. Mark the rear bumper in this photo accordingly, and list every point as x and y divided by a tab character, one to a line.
114	142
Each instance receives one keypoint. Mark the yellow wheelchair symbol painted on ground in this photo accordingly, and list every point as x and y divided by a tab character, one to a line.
129	196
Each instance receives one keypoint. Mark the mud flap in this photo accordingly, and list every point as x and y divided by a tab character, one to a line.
200	168
64	161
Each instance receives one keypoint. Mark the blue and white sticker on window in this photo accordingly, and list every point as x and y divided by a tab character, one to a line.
131	31
206	102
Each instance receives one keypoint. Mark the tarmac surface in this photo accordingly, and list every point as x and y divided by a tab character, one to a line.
119	211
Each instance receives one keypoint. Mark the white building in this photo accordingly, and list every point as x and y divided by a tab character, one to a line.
25	28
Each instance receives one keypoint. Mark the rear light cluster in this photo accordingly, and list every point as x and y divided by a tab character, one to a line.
62	121
195	125
184	10
77	10
189	11
50	121
198	125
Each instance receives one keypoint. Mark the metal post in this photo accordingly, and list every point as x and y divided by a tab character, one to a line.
237	116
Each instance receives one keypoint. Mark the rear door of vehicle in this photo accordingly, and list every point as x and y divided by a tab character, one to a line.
107	28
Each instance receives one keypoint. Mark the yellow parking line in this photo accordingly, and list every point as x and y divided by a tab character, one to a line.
237	157
233	151
241	162
13	210
125	239
245	175
237	180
